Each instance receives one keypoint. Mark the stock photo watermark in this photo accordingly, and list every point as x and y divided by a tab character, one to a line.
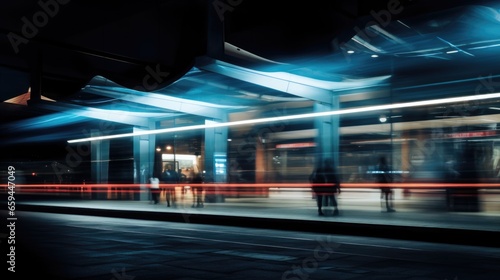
153	79
122	275
248	148
31	26
486	85
311	264
223	6
11	219
76	154
381	18
455	112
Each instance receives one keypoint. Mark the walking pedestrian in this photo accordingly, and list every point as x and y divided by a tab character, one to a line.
170	177
155	190
384	177
326	186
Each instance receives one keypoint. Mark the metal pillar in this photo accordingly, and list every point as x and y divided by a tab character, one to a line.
99	164
144	156
215	160
328	137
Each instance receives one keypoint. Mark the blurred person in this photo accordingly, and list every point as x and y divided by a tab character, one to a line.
197	179
333	189
182	177
184	181
155	190
325	194
316	178
383	177
171	177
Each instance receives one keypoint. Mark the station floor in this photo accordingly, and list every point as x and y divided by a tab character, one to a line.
420	216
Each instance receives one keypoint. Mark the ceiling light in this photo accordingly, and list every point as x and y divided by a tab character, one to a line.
374	55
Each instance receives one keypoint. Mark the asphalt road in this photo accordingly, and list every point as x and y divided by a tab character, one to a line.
61	246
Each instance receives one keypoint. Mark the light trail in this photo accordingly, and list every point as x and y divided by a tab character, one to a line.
230	187
295	117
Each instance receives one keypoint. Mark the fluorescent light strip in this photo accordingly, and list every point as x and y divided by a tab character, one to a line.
294	117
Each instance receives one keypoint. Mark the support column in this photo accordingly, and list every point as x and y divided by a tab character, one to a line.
328	137
144	156
99	164
215	160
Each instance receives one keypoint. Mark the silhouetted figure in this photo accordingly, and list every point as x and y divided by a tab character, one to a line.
182	177
197	179
170	176
383	177
155	189
325	186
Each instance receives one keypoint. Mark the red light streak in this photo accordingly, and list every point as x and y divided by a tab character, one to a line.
134	188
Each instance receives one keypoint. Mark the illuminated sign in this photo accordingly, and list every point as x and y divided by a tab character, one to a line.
296	145
471	134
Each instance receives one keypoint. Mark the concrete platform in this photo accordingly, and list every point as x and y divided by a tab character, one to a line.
415	219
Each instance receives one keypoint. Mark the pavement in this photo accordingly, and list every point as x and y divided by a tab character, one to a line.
61	246
421	217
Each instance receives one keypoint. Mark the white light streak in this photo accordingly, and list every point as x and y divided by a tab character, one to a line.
295	117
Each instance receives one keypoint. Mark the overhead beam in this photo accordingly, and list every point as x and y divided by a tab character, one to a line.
268	81
156	100
313	89
94	113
